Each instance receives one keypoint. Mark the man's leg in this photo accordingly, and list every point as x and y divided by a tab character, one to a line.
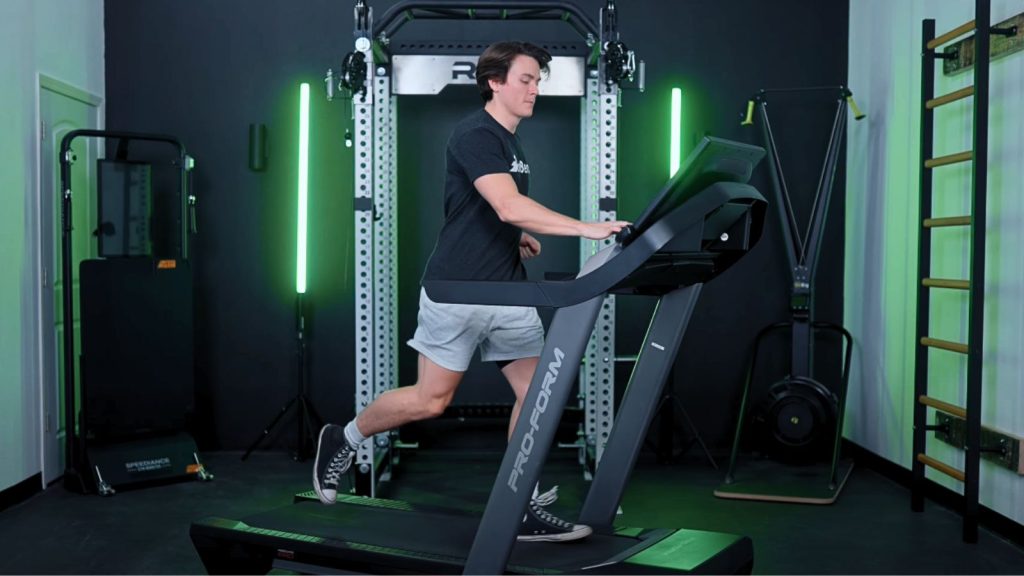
426	399
337	445
539	525
519	373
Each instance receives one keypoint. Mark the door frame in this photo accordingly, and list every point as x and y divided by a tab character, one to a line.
41	339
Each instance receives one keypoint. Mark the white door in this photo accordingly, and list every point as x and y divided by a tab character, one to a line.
61	110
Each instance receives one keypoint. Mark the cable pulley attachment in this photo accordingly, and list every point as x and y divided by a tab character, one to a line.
353	73
350	80
619	63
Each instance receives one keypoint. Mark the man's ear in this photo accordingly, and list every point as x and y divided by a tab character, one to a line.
492	83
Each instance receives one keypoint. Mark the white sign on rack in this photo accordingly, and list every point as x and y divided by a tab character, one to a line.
425	74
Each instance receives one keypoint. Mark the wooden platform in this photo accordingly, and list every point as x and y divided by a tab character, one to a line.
772	481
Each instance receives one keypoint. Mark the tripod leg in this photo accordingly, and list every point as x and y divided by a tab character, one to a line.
284	410
666	431
696	434
311	411
311	423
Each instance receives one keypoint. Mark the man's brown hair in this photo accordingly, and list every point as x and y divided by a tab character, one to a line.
497	59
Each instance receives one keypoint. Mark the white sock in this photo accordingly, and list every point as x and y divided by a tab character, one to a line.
352	434
545	498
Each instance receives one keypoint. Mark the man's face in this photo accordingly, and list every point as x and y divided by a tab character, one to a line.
519	91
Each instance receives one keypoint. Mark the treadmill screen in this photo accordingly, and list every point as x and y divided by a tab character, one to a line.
713	160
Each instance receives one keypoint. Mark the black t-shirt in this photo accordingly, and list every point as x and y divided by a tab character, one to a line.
474	243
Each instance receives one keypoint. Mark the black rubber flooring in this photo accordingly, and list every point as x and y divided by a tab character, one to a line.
869	530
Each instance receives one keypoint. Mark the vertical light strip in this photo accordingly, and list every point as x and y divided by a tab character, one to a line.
300	257
675	148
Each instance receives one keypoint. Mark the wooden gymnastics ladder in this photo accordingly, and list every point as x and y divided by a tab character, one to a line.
974	285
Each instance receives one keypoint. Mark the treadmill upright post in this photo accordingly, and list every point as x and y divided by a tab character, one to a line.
532	437
643	392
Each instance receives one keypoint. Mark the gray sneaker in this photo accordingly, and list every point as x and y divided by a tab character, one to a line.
333	458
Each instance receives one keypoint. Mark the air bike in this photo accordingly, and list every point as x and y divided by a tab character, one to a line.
701	222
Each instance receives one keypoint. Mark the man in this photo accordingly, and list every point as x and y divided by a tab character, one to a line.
485	236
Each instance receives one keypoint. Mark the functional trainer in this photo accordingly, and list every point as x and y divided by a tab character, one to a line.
700	223
384	68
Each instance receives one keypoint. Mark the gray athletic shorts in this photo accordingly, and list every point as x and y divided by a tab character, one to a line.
447	334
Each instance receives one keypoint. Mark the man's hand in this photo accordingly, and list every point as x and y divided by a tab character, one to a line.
601	230
528	246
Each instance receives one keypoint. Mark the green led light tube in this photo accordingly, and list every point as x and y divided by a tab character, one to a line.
675	146
300	259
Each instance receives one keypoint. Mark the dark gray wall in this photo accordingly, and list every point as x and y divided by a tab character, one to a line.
204	71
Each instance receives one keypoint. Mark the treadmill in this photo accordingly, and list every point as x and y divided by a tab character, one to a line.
701	222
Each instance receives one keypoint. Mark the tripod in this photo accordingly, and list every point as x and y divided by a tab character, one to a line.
309	422
668	408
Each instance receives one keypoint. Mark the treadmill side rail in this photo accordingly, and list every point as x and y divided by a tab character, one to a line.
532	437
643	393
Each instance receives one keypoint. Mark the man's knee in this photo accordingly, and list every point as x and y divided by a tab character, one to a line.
433	405
520	392
519	374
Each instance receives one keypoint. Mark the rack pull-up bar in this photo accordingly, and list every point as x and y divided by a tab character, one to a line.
408	10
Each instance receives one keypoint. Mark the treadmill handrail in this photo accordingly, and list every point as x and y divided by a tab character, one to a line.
620	264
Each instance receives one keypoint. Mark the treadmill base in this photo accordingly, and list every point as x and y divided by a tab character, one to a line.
363	535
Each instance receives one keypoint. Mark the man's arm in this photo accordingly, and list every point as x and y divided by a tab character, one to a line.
501	193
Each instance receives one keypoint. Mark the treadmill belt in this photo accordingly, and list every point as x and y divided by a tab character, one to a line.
427	531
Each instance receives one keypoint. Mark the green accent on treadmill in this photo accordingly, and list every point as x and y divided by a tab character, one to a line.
629	532
243	527
684	551
376	502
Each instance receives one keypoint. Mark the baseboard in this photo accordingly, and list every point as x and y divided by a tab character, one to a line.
990	519
21	491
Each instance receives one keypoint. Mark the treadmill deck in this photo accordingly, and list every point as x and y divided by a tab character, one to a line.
393	536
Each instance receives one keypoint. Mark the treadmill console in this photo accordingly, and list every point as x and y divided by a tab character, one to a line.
713	160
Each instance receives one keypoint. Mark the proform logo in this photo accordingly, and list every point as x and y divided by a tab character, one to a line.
526	447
